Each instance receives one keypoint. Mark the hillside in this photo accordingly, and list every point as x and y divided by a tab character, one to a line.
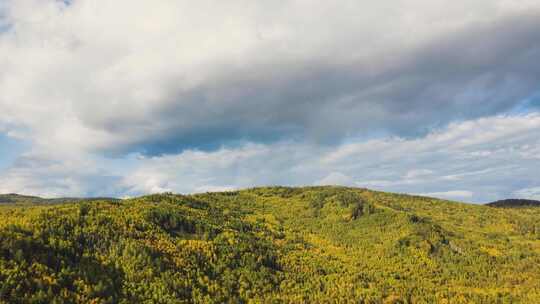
511	203
17	198
270	245
13	198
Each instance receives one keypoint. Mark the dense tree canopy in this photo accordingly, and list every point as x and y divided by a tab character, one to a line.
278	245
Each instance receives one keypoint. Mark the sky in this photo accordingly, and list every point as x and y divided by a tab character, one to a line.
128	97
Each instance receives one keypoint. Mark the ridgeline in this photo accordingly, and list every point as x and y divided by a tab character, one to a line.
515	203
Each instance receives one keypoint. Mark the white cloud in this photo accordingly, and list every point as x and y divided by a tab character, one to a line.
221	95
134	75
335	178
436	165
387	164
453	194
418	173
214	189
528	193
36	173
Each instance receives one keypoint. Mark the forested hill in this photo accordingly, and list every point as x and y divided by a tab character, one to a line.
17	198
13	198
269	245
510	203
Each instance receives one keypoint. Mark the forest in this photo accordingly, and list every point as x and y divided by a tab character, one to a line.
268	245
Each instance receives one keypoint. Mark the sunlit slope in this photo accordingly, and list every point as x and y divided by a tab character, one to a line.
292	245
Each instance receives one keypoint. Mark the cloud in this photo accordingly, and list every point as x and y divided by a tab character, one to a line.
158	78
454	194
55	176
528	193
476	161
445	163
227	168
418	173
335	178
131	97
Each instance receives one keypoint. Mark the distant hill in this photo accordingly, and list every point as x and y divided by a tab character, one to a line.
512	203
268	245
16	198
19	199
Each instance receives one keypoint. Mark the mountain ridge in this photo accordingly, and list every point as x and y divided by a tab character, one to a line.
14	198
513	203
